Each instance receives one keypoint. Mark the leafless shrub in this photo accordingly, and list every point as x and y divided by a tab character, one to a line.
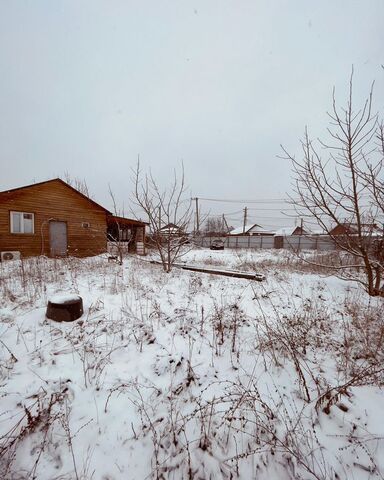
27	281
226	320
6	364
361	346
39	418
364	375
222	432
323	263
169	214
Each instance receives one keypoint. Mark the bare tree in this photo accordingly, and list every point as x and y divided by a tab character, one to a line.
339	184
118	235
77	183
169	213
216	225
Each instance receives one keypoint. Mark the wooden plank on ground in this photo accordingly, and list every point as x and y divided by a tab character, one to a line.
214	271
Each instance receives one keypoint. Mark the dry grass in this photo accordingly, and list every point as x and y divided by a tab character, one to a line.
202	423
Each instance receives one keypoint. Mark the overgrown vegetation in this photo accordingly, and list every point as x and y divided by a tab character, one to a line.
229	379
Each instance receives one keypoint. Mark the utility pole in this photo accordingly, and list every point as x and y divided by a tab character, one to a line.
245	218
197	215
159	217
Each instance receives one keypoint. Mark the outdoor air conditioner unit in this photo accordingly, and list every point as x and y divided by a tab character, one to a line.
9	256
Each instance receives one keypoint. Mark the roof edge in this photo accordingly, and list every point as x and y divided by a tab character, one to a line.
64	183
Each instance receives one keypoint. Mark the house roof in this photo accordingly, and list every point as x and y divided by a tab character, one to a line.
242	229
251	228
170	229
368	229
286	231
281	232
318	231
113	219
170	226
4	192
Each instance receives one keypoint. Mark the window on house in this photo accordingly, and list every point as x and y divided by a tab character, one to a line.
22	222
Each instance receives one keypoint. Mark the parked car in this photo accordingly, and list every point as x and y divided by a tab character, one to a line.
217	244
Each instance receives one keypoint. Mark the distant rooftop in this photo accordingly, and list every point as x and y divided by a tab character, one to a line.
250	229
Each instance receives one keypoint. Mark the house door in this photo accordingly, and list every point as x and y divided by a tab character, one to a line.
58	241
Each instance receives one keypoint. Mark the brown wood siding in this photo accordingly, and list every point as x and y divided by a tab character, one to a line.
53	201
340	230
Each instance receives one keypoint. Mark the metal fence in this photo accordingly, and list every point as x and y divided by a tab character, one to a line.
291	242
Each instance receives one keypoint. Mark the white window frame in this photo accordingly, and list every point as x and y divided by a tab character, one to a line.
22	222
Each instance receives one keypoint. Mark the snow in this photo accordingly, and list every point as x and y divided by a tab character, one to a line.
250	229
64	298
242	229
284	231
188	375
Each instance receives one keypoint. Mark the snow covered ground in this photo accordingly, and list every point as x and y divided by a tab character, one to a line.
188	375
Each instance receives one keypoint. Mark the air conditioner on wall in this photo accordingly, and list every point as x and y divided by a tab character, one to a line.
9	256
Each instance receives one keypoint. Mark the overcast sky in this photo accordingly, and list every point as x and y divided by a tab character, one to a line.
86	86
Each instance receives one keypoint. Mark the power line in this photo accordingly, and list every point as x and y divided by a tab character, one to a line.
220	214
272	209
226	200
274	218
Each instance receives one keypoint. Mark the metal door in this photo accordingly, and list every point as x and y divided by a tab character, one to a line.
58	240
279	242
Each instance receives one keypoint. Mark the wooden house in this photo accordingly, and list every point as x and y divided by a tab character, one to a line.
127	231
54	219
367	229
299	231
342	229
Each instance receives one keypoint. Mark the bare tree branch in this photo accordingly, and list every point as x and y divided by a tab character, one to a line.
169	214
344	193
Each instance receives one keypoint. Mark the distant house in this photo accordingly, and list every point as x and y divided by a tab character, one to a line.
368	229
171	229
251	229
54	219
287	231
